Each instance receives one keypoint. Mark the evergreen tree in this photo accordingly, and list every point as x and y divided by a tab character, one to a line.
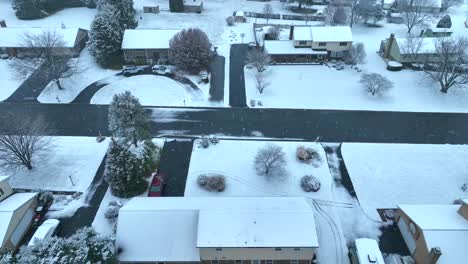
105	37
124	172
124	12
190	50
26	9
127	119
150	157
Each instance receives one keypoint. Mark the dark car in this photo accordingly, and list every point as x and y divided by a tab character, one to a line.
157	185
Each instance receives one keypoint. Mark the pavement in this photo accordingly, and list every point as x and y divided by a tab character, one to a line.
30	89
237	97
217	78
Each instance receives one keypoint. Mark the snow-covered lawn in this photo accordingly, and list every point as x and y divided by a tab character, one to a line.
70	166
385	175
87	73
10	82
153	90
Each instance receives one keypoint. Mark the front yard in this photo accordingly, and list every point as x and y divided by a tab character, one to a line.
10	82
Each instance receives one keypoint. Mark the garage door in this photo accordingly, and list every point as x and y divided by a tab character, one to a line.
22	227
409	240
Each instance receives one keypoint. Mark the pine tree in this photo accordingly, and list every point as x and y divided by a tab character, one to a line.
190	50
105	37
150	157
124	12
127	119
26	9
124	172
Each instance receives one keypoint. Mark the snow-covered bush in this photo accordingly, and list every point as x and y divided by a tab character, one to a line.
204	142
356	55
6	257
310	184
375	84
45	198
270	161
112	210
308	155
445	22
230	21
190	50
258	59
273	33
27	9
150	157
212	182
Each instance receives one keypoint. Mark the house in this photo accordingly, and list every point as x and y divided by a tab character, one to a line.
435	234
12	39
410	50
285	51
151	9
239	16
266	230
193	6
147	46
16	214
436	32
433	6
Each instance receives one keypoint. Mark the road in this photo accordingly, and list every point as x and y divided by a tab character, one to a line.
329	125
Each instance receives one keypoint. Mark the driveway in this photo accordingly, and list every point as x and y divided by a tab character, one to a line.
237	97
217	78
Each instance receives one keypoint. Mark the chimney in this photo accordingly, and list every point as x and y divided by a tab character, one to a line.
463	210
433	256
2	23
291	32
391	39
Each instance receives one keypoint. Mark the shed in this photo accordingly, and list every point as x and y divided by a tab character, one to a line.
239	16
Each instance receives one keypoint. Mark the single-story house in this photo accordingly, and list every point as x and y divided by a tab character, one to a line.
435	234
410	50
193	6
12	39
256	230
147	46
16	214
151	9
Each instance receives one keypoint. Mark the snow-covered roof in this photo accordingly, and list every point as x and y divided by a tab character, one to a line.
8	208
239	14
4	178
15	36
332	34
368	249
442	227
257	228
281	47
147	38
167	228
465	201
302	33
416	45
193	2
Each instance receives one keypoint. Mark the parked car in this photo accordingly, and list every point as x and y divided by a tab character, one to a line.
130	70
252	44
157	185
365	251
204	77
161	69
46	230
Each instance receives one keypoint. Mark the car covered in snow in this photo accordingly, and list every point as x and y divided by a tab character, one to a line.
365	251
130	70
46	230
157	185
204	77
161	69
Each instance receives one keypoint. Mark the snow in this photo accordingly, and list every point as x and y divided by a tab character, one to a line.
8	208
10	80
332	34
179	224
385	175
71	159
287	47
44	229
88	71
151	90
368	248
257	228
426	45
302	33
14	36
394	64
452	243
4	178
147	38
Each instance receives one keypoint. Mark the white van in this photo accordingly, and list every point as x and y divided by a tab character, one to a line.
365	251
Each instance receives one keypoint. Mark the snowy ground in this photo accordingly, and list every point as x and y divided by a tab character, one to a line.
338	216
385	175
87	73
103	225
10	82
153	90
71	159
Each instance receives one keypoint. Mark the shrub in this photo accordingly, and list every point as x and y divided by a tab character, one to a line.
112	210
204	142
230	21
308	155
212	182
273	33
45	199
310	184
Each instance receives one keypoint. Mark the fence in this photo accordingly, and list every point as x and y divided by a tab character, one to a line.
285	16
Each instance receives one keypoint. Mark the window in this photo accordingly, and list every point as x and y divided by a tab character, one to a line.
268	261
278	249
297	249
293	261
215	262
302	43
219	249
322	44
238	261
255	261
343	43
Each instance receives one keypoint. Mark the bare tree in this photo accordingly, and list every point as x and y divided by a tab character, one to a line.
260	82
340	17
46	53
444	68
446	4
23	140
354	12
267	11
259	59
356	55
230	21
375	84
273	33
414	13
270	161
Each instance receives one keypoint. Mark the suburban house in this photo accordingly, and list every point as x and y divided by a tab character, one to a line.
151	9
193	6
12	39
410	50
308	43
435	233
16	214
432	6
147	46
209	230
